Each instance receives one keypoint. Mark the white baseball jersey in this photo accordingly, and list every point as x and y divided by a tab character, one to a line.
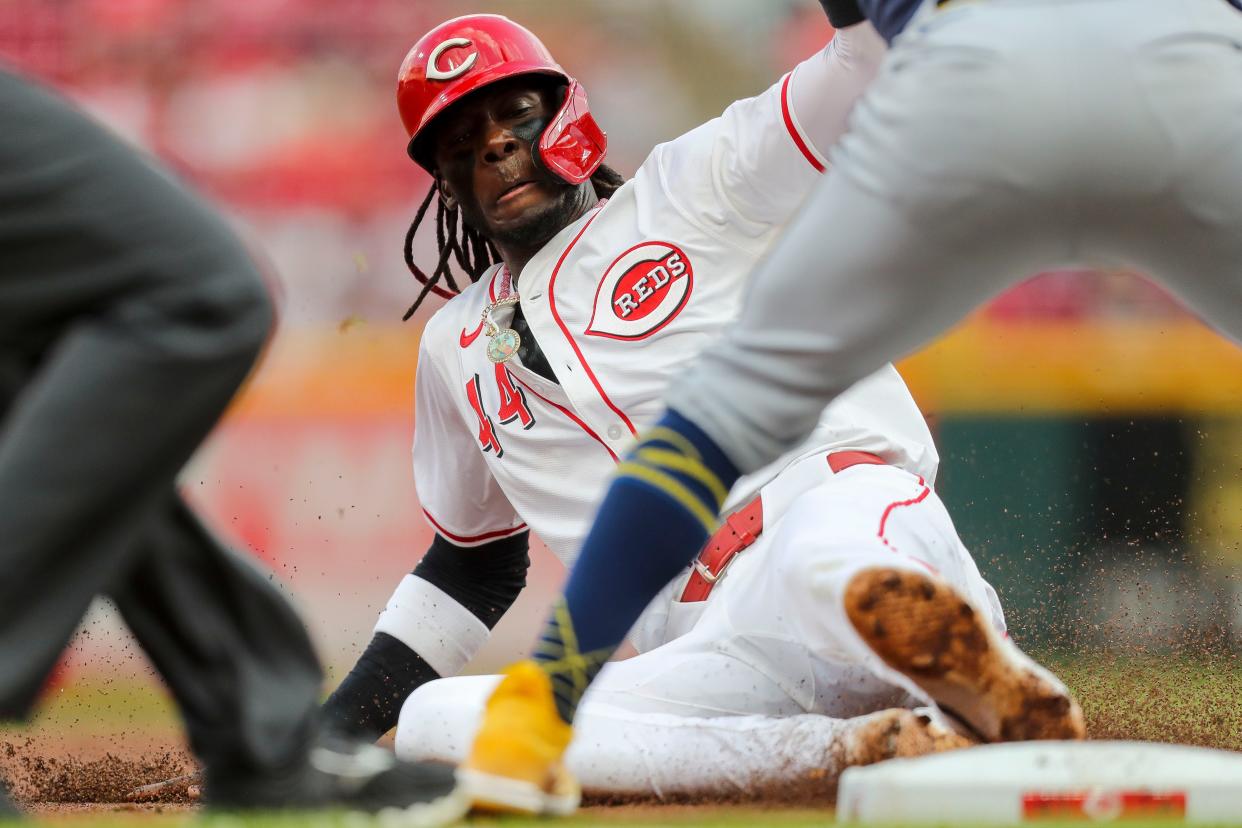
620	302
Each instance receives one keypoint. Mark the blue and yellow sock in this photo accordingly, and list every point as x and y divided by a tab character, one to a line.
659	511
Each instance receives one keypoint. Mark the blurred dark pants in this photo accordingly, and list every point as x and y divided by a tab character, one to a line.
129	316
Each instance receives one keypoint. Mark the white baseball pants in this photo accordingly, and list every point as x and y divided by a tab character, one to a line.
758	691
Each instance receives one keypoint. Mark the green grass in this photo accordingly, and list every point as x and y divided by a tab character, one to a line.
94	704
1187	700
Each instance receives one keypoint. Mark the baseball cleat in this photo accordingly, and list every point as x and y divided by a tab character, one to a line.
897	734
921	627
516	764
360	780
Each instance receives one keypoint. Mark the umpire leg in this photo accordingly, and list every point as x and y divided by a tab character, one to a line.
232	650
136	315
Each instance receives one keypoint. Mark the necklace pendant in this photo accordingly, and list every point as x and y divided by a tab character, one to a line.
503	345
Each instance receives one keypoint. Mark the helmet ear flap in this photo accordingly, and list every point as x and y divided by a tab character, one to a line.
573	146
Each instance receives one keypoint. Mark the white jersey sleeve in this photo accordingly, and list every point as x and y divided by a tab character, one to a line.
742	175
460	497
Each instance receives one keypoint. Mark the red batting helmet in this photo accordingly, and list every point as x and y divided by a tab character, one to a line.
468	53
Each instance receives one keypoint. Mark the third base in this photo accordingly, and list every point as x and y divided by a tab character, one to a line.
1020	782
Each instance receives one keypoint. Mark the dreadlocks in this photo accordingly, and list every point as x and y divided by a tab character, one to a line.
458	241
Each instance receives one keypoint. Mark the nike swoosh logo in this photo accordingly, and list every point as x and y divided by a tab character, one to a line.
466	339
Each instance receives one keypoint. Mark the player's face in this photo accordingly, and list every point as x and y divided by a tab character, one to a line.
484	151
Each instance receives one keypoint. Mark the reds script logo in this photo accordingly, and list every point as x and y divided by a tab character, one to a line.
642	291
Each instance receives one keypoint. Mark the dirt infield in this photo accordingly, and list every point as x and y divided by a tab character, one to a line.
1186	701
37	776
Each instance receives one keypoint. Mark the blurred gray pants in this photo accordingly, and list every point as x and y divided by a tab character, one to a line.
129	316
1000	138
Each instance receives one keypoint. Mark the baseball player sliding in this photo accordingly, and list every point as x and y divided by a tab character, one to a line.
588	298
998	138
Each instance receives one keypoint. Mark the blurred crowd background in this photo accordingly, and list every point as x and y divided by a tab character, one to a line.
1090	430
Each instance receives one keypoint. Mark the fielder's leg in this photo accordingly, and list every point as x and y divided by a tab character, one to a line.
1188	232
973	161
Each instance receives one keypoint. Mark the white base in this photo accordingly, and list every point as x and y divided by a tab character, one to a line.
1030	781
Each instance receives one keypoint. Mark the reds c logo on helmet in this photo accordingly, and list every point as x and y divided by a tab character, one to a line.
468	53
434	72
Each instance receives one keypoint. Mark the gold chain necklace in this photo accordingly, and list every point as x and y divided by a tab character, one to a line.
502	342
